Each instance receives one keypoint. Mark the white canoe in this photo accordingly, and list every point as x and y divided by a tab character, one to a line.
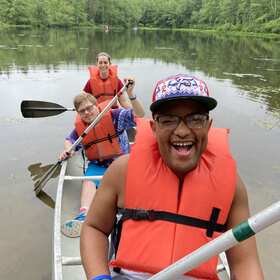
66	251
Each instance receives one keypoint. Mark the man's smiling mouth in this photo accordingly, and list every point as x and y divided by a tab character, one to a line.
182	146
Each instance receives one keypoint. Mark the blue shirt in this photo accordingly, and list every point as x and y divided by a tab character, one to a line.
123	119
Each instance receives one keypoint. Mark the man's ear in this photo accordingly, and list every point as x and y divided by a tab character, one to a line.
210	123
153	126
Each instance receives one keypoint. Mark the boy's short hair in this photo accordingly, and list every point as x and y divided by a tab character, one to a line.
82	97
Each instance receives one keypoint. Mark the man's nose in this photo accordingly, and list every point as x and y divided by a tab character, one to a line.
182	129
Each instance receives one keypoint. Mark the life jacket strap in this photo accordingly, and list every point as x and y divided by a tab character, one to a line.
151	215
109	138
104	94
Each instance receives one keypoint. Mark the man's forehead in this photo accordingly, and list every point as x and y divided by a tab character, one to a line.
182	105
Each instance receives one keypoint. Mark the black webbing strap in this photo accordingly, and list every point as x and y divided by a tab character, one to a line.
116	234
109	138
152	215
105	94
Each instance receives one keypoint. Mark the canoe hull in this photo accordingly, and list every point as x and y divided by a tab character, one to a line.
67	206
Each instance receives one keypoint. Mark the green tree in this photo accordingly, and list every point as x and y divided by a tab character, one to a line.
210	12
250	15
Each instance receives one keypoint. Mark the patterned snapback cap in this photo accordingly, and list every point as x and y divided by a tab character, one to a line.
182	87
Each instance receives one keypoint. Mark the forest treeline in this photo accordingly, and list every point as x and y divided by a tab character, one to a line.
234	15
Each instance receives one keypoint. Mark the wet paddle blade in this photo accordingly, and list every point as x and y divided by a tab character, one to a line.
39	109
37	170
39	185
46	199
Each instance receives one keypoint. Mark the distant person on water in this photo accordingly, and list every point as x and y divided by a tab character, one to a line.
177	190
104	83
106	141
106	28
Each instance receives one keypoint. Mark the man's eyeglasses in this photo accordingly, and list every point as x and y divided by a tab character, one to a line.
192	121
89	109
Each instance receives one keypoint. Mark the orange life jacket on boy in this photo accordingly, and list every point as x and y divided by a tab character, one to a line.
153	243
102	141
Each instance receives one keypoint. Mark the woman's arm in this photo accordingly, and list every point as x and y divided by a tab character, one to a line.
132	101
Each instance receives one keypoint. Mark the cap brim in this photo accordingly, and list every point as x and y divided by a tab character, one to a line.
208	102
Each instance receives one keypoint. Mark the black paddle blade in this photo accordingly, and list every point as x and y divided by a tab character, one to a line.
46	199
39	185
39	109
38	170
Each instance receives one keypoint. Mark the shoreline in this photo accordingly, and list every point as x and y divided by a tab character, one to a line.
136	29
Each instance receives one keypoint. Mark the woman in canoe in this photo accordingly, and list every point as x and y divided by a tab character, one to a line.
104	83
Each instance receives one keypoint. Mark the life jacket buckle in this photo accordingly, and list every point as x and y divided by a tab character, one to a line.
142	214
151	215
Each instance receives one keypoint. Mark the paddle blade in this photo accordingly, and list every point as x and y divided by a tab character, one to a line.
39	185
46	199
39	109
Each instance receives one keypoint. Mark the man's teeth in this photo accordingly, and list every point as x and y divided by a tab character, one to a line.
187	145
183	144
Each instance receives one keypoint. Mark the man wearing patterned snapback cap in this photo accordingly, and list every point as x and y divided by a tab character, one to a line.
177	190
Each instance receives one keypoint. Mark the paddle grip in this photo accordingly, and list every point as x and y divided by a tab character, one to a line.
130	82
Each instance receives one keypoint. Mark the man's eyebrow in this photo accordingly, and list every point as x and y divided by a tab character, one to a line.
171	114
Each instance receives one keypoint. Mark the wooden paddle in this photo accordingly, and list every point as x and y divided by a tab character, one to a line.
46	177
39	109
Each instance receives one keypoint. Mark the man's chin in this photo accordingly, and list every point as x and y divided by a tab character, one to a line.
183	168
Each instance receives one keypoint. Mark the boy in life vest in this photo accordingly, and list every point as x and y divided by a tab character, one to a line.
177	190
106	141
104	83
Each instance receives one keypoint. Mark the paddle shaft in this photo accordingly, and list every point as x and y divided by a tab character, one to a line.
222	243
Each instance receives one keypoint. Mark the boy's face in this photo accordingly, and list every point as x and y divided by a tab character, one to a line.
88	111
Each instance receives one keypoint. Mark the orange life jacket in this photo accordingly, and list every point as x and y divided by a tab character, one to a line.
104	90
102	141
152	245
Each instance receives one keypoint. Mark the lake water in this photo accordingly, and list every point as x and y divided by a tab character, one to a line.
242	74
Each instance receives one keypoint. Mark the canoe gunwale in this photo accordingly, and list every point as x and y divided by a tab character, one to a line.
57	253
